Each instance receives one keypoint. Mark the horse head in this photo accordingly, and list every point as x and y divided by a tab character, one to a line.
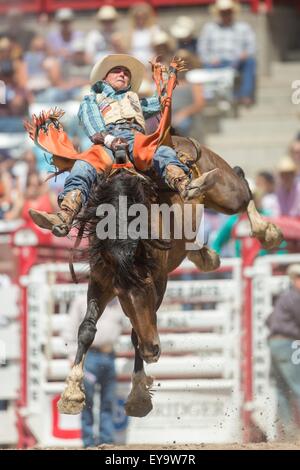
121	251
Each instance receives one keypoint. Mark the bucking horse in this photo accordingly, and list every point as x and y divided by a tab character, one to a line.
135	268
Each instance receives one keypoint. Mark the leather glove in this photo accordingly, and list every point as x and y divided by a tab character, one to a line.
98	138
118	143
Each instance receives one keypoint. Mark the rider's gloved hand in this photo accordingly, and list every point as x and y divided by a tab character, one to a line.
99	138
119	142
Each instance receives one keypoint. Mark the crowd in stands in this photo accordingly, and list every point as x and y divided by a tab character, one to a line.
49	65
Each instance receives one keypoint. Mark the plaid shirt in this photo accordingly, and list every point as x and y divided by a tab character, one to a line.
226	43
90	116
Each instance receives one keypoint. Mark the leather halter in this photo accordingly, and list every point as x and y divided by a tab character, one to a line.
123	165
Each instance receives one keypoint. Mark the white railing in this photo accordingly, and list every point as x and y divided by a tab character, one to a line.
199	368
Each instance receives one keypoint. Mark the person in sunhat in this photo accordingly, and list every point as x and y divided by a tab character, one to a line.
99	41
111	115
288	191
227	42
284	326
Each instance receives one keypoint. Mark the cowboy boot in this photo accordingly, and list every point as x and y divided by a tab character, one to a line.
188	189
60	224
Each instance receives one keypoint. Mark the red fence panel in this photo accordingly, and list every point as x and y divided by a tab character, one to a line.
38	6
27	6
53	5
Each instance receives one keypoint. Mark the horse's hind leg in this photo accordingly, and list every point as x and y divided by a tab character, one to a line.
72	399
267	233
232	195
139	402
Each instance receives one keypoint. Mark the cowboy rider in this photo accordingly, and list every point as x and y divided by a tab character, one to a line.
110	115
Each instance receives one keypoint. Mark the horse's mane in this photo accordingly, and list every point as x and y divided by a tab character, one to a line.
128	261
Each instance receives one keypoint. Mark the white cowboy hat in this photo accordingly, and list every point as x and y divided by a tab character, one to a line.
161	38
64	14
222	5
286	165
136	68
107	13
293	270
183	27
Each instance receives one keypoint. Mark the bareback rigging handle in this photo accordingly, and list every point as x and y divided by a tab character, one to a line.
121	154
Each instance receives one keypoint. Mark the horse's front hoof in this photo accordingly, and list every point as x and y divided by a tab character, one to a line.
138	409
72	400
205	259
70	407
139	402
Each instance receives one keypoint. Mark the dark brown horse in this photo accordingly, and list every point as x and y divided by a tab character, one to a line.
136	269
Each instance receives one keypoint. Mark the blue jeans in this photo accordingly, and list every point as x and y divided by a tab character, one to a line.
287	379
247	69
83	174
99	369
81	177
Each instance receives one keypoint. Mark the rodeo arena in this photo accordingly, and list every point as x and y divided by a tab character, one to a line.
187	103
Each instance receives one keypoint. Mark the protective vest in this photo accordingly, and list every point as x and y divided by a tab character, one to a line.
128	107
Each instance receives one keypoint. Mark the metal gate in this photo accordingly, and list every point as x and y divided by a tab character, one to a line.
197	379
269	280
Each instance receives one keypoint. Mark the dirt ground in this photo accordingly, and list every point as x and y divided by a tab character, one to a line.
236	446
256	446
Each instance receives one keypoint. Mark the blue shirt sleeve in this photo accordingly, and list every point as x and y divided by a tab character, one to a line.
90	117
150	106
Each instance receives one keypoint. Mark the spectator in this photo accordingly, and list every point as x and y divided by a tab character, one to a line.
284	325
117	43
8	63
188	99
288	191
66	79
36	65
6	186
230	43
42	24
98	42
183	30
295	152
265	191
76	73
143	30
16	97
60	41
99	368
36	195
19	35
163	46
